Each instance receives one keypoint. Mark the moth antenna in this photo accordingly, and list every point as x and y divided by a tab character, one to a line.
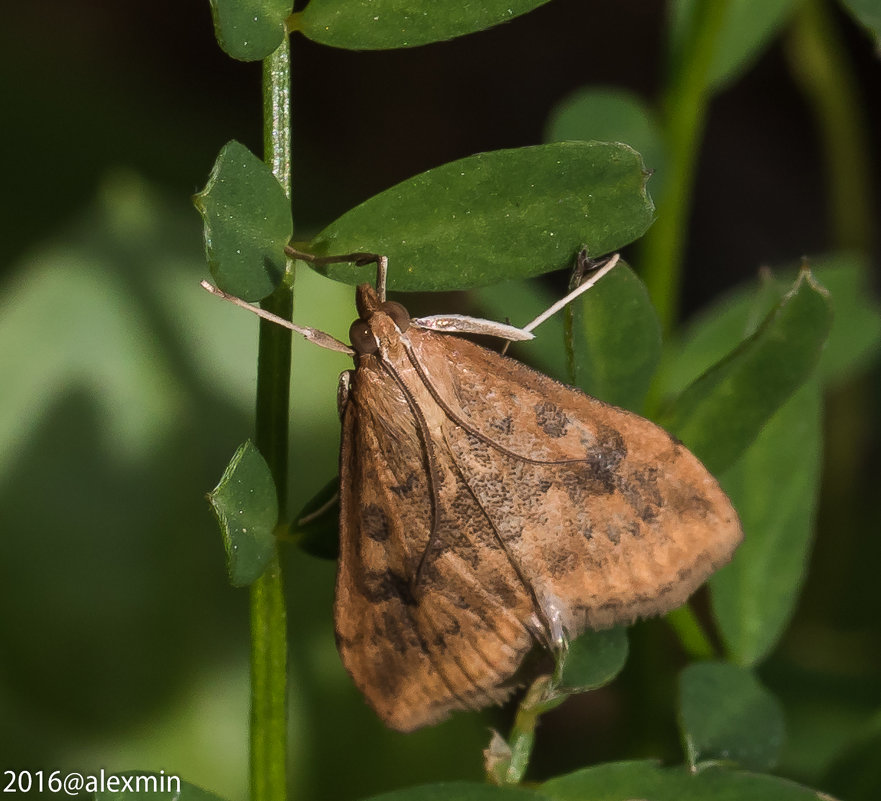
607	267
312	334
359	259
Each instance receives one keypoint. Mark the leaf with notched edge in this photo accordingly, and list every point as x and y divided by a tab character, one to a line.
246	506
249	30
247	221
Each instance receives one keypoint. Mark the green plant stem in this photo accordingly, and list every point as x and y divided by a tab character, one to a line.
268	755
691	634
819	62
684	115
539	699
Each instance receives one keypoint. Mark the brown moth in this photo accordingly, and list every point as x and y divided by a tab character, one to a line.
486	509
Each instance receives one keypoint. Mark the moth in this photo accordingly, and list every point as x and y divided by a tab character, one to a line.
486	508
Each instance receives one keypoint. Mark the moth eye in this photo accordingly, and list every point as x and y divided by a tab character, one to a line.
400	316
362	338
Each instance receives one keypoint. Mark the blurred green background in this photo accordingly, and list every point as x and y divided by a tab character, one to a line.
126	388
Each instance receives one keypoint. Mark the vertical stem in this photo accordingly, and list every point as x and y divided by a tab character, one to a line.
684	117
268	617
691	634
819	63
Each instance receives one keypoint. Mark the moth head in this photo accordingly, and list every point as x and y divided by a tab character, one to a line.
361	333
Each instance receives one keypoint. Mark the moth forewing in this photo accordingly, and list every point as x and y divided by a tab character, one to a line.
486	508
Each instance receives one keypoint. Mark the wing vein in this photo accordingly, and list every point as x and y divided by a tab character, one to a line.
517	567
457	419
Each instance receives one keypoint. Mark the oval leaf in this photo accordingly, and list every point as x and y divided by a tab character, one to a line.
722	412
496	216
626	781
385	24
250	30
594	659
247	220
615	339
725	714
774	487
246	505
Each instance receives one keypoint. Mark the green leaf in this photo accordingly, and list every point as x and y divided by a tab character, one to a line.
246	505
317	525
625	781
615	339
609	115
774	487
725	714
386	24
143	785
722	412
521	302
594	659
247	221
854	342
496	216
867	13
749	27
250	30
459	791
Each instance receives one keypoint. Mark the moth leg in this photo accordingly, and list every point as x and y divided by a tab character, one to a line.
358	259
343	389
462	324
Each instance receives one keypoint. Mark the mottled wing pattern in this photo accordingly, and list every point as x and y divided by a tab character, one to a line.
486	507
608	516
419	648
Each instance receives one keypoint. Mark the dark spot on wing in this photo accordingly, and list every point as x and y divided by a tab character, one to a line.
608	450
615	529
562	562
581	480
640	490
387	586
374	523
504	425
406	489
551	419
397	631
